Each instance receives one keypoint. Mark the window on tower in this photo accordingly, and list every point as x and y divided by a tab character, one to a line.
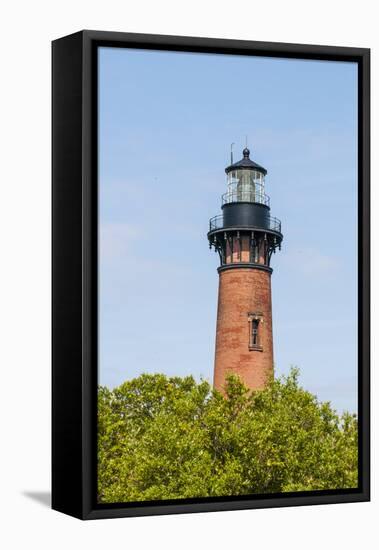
255	332
255	323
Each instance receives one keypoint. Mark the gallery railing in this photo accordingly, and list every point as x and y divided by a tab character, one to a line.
245	196
272	224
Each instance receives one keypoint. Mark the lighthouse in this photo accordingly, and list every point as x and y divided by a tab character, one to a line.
245	235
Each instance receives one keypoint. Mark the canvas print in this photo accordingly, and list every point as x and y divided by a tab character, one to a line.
227	267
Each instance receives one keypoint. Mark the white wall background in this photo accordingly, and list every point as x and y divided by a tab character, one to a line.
27	29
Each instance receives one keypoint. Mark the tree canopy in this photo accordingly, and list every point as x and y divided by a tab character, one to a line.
167	438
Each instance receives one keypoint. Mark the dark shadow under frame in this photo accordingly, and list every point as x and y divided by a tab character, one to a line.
74	272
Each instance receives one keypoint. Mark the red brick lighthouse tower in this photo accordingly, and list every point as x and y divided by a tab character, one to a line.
245	237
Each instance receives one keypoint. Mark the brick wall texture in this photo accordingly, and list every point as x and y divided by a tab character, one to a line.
243	291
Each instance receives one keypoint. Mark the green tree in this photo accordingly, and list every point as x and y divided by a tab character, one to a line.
166	438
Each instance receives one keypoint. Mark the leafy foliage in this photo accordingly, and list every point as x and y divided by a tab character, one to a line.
167	438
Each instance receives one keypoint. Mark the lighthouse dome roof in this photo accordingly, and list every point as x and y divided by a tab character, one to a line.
245	163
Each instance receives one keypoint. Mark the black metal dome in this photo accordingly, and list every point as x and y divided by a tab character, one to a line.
246	163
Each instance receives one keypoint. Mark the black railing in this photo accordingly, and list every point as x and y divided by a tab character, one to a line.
245	196
273	224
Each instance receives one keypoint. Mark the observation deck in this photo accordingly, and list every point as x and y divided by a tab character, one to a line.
272	224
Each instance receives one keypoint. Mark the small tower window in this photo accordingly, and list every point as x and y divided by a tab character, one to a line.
254	335
255	328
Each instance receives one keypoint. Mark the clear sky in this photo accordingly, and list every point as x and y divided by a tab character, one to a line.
166	122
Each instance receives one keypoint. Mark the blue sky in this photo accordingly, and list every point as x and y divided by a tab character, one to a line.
166	122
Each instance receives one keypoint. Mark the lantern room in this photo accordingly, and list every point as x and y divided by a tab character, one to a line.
246	181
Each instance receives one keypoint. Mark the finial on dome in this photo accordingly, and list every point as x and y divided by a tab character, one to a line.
246	153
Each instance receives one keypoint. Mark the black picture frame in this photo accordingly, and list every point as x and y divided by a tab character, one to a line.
74	271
